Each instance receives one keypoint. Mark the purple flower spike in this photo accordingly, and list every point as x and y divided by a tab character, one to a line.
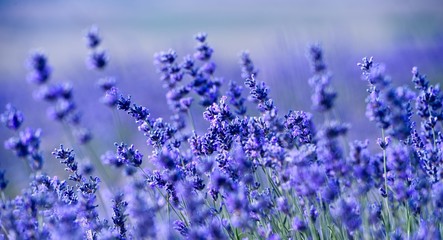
12	118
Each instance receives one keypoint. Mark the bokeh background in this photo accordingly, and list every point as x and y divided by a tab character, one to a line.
402	34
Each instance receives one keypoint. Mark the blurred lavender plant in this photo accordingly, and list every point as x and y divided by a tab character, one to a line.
60	97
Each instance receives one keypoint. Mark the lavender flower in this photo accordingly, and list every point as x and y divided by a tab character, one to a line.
83	135
67	223
330	152
98	60
324	95
92	37
400	99
27	145
300	126
259	91
374	73
360	159
129	155
298	225
384	143
67	157
307	180
181	228
331	191
54	92
377	111
139	113
247	66
235	98
119	217
315	55
437	192
171	74
12	118
374	214
204	51
111	97
107	83
348	212
40	71
3	180
142	214
283	205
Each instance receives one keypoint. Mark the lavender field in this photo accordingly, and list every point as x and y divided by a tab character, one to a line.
234	120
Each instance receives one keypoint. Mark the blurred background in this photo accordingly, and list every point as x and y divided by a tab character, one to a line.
402	34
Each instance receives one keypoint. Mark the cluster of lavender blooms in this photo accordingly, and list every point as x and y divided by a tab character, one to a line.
250	174
59	95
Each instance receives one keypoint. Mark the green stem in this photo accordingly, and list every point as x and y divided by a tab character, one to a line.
409	220
312	229
277	191
118	123
99	164
180	216
3	196
191	119
386	180
433	131
28	168
5	231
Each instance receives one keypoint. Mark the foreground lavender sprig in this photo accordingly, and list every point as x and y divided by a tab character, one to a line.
87	190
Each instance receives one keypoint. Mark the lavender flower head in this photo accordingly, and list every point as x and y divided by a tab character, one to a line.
129	155
54	92
377	111
298	225
40	71
181	227
374	73
300	126
437	192
106	83
3	180
315	56
124	155
27	143
324	95
12	118
247	65
111	97
92	37
204	51
235	97
348	211
98	60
